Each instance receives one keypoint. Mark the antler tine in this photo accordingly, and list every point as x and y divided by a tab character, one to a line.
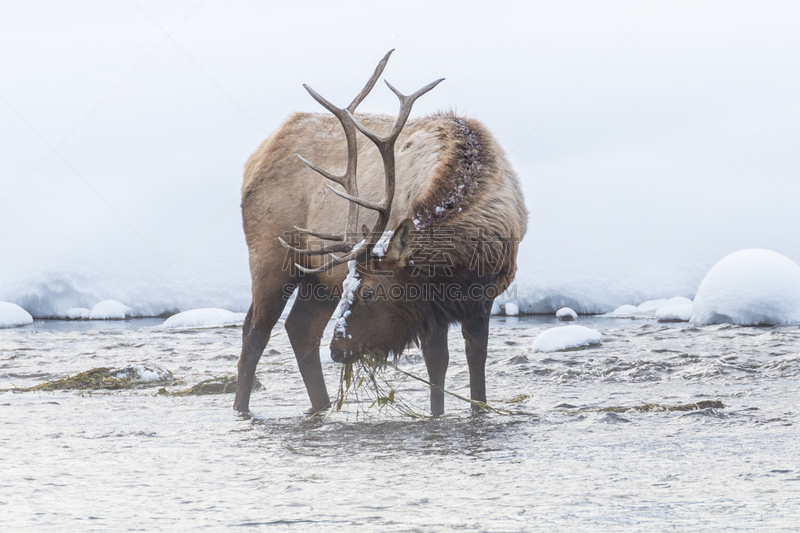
356	200
406	102
325	236
325	250
371	83
337	260
325	173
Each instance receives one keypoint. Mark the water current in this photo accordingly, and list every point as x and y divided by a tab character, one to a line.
573	454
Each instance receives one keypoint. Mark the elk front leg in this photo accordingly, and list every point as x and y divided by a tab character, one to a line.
476	341
437	357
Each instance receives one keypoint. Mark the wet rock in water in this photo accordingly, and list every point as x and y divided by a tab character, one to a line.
614	418
218	385
133	376
566	314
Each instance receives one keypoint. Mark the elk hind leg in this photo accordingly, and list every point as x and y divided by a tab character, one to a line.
305	325
476	342
261	318
437	357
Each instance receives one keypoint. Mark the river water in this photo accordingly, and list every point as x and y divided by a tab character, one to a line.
561	461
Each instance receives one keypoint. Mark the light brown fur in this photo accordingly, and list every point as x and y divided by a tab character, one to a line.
442	161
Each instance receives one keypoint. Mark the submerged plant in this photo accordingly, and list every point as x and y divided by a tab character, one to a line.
218	385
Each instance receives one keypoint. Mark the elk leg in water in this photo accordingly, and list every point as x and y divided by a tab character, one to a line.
258	324
305	325
437	357
476	341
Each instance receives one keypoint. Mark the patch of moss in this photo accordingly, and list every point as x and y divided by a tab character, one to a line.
224	384
105	378
94	379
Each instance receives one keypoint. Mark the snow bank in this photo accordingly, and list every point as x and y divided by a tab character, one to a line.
510	309
566	314
750	287
12	315
110	310
566	338
203	318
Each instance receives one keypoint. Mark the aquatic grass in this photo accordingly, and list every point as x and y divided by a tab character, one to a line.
94	379
105	378
657	407
650	408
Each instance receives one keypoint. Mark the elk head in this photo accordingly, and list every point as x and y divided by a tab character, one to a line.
380	311
362	307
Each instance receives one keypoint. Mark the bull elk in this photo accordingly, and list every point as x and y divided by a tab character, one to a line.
446	187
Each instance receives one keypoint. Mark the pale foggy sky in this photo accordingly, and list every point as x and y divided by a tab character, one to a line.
651	137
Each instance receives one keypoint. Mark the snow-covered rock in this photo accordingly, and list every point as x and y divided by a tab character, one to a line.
750	287
78	313
648	309
623	311
12	315
566	338
566	314
511	309
204	318
675	313
109	310
142	373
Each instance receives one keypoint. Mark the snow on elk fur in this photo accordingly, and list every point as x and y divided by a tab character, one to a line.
457	214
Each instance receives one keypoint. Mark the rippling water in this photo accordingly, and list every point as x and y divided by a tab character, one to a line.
135	461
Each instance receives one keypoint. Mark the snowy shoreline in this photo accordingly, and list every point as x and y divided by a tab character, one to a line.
748	287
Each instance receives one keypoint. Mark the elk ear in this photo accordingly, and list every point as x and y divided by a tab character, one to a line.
400	245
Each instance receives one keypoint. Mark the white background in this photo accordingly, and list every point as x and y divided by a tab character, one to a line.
652	138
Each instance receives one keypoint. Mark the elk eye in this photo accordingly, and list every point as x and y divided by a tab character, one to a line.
368	294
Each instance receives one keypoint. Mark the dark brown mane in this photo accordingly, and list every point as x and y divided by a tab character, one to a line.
452	188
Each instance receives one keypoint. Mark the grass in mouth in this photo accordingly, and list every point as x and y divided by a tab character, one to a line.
363	379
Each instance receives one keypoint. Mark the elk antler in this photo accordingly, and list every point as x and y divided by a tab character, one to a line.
348	179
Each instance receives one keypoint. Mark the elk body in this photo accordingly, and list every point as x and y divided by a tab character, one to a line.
445	188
